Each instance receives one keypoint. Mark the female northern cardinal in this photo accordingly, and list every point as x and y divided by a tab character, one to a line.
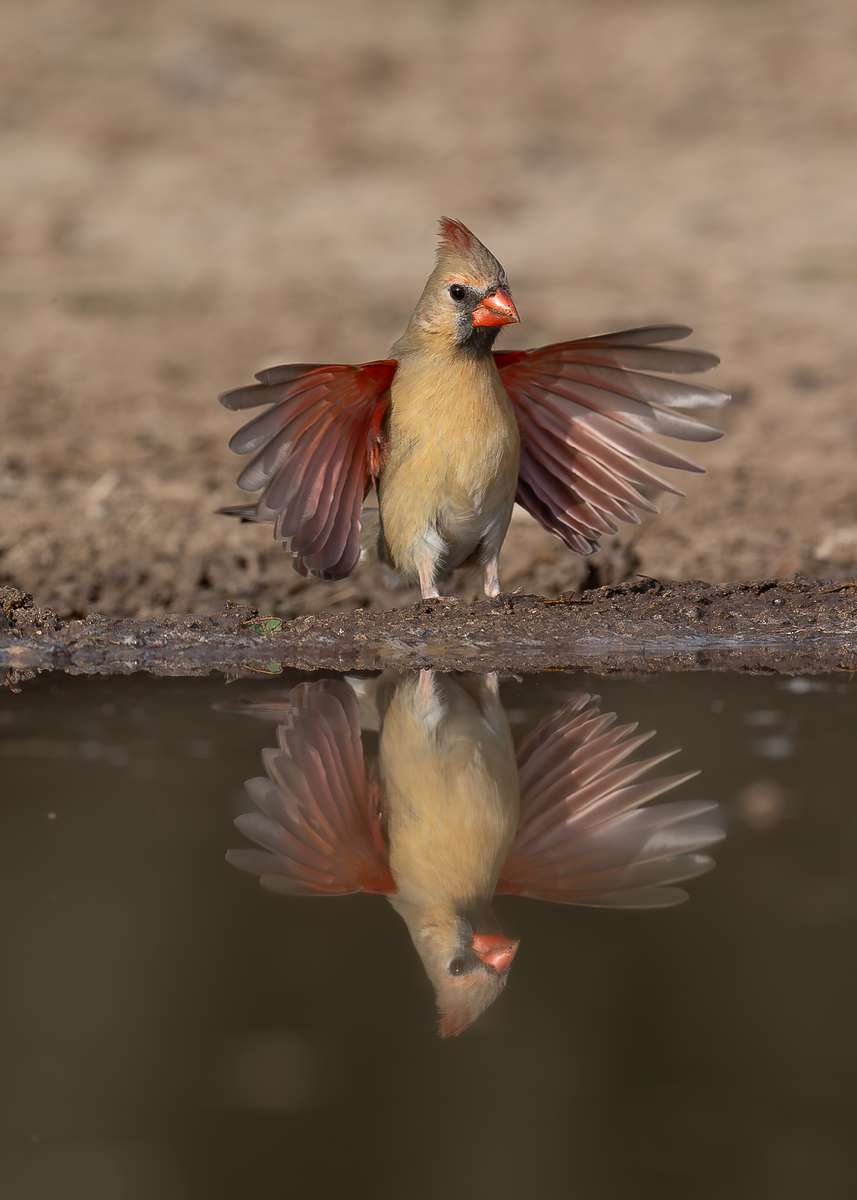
450	815
452	433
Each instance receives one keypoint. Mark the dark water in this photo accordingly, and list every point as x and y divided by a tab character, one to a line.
170	1029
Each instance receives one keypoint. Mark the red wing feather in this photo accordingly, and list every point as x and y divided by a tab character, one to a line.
315	815
585	837
587	412
315	451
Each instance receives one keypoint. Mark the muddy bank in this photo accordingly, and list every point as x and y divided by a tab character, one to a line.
797	625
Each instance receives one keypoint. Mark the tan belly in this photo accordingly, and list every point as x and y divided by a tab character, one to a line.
450	787
451	471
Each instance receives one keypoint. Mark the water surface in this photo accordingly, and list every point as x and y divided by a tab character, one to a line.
172	1029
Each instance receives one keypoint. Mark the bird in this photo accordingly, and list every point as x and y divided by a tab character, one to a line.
450	433
450	813
451	804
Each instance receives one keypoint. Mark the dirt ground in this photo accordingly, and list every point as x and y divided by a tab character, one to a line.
789	626
191	192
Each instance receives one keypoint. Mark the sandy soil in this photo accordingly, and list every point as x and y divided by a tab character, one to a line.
190	192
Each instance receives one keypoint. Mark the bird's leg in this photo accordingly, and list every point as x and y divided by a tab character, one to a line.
430	706
428	589
425	684
427	560
491	577
428	556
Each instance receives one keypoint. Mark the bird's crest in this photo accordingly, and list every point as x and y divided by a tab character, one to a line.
454	235
462	1001
460	250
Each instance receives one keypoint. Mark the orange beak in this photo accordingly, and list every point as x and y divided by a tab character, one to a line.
495	950
497	309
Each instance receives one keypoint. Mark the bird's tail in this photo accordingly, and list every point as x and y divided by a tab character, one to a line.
366	693
244	512
373	547
371	537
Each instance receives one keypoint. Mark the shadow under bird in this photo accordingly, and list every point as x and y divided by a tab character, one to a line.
449	814
452	433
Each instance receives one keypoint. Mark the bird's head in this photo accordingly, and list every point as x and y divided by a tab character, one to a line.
466	300
468	969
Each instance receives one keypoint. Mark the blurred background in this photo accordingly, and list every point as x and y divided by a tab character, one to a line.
191	191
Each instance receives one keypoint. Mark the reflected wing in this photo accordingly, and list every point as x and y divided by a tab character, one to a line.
315	449
585	837
587	411
316	817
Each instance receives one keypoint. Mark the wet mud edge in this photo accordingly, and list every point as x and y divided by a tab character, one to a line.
790	626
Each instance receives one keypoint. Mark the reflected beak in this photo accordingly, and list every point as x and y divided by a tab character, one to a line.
494	950
497	309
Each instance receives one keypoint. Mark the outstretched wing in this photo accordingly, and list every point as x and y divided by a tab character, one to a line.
316	815
585	837
315	450
586	411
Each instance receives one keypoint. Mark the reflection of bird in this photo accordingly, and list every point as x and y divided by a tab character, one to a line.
449	816
453	434
450	788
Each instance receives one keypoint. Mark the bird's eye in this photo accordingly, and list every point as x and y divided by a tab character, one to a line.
457	965
457	291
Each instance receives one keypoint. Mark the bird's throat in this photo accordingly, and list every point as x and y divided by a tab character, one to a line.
478	342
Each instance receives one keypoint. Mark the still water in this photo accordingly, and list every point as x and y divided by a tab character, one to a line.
504	943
